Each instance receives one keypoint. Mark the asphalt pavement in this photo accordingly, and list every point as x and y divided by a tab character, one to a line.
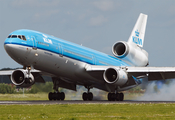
81	102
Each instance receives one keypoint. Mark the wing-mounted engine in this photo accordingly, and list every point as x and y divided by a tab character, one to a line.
117	77
22	78
130	53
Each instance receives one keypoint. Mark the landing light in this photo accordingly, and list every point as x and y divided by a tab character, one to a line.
36	54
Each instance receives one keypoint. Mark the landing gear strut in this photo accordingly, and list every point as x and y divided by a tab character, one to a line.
87	95
56	95
115	96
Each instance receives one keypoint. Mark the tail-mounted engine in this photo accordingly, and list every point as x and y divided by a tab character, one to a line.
22	78
116	77
130	53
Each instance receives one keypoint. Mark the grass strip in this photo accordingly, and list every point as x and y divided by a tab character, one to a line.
88	111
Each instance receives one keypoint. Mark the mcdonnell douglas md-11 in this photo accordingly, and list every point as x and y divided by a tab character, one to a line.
69	64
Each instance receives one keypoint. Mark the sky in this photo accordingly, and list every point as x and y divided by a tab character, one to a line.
96	24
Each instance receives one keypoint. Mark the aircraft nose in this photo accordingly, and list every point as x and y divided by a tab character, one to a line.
8	48
6	44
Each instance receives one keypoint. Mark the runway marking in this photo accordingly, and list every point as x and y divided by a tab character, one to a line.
12	102
82	102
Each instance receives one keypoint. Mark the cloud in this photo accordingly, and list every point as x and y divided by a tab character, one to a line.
98	21
42	17
104	5
46	14
34	3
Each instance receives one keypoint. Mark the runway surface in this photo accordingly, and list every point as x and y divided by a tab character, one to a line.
81	102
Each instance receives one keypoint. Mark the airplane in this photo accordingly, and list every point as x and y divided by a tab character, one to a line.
71	64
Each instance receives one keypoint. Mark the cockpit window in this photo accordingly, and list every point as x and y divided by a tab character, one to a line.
22	37
19	36
14	36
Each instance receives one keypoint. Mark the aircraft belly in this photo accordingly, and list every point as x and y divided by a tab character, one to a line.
68	69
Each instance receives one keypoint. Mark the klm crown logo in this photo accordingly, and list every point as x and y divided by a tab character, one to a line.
136	38
137	33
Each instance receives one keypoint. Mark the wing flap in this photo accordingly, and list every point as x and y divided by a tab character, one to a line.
150	69
161	75
153	73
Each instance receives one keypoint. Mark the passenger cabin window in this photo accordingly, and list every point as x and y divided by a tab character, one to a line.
22	37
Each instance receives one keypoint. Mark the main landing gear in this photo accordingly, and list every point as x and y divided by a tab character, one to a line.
56	95
115	96
87	95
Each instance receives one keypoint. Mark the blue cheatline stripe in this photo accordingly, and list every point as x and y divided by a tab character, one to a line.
111	60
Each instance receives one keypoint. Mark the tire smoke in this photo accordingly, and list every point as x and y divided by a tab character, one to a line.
165	93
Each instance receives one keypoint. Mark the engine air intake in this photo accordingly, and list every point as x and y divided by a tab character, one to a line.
120	49
115	76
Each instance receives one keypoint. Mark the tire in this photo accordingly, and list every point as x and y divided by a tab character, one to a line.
58	96
50	96
54	96
113	96
85	96
117	97
121	96
90	96
62	96
109	96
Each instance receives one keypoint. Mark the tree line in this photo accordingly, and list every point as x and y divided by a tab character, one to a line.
37	87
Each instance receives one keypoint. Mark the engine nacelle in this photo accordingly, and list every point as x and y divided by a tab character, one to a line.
130	53
116	77
22	78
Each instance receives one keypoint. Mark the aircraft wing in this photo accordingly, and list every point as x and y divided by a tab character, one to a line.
153	73
38	76
9	72
36	73
6	72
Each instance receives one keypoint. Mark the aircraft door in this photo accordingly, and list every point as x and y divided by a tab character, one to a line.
34	43
94	60
60	50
